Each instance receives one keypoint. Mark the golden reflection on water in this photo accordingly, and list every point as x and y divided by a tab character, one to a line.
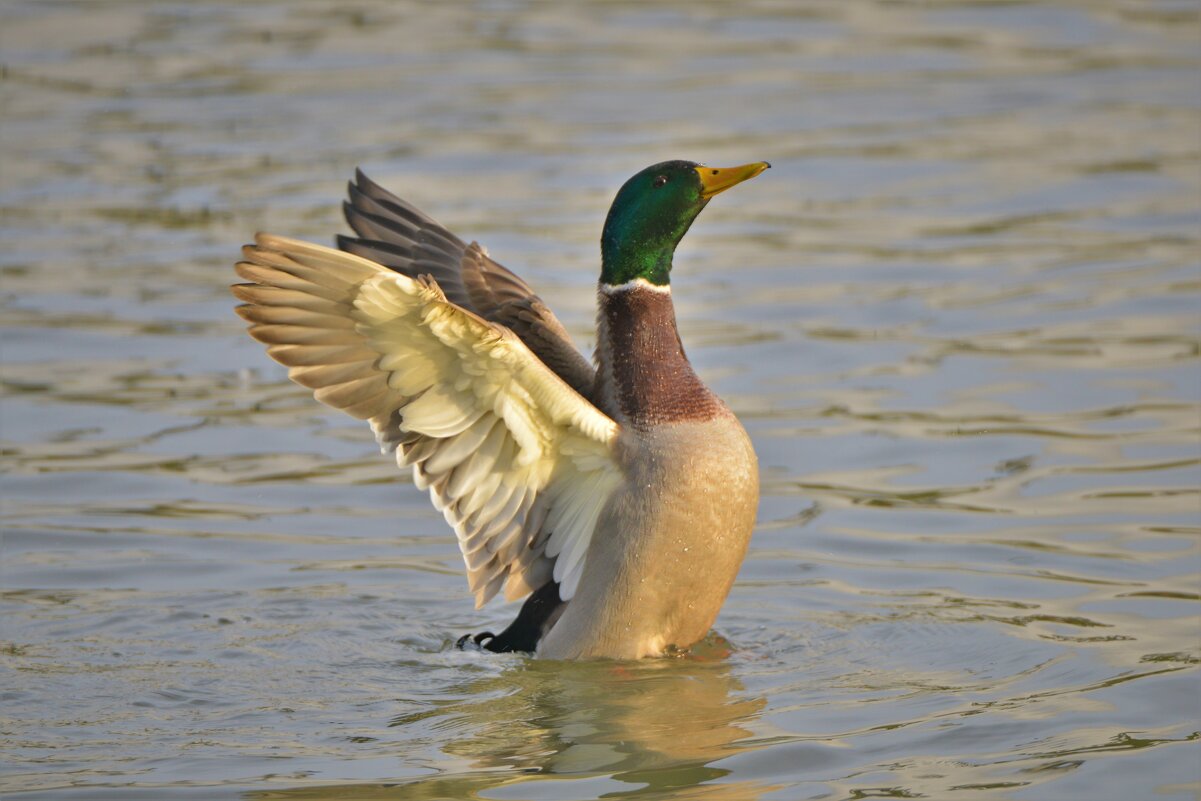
651	727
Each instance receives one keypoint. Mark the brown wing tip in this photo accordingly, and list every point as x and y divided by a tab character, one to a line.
244	292
251	270
274	243
266	334
245	310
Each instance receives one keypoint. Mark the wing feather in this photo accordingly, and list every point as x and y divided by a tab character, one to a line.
312	355
452	453
397	235
519	463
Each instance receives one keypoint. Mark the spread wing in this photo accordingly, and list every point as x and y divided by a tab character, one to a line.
518	462
397	235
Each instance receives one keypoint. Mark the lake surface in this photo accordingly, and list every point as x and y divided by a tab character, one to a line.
960	319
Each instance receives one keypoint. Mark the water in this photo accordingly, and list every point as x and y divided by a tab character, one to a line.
959	318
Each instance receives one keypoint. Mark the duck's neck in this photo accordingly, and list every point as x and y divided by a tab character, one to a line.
643	376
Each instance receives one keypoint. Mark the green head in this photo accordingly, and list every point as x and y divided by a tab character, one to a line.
652	212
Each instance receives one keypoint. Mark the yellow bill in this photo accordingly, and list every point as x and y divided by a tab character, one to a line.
719	179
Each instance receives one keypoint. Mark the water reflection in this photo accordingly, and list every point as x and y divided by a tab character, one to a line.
655	728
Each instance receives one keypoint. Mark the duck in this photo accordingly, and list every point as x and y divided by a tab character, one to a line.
616	495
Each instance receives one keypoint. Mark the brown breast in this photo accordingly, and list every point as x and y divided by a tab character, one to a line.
644	375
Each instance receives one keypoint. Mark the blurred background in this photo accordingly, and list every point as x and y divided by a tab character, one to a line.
959	319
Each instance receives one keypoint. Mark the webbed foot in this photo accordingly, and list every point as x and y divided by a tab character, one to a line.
523	633
479	639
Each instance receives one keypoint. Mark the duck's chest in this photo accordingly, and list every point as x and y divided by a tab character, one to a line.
688	503
644	378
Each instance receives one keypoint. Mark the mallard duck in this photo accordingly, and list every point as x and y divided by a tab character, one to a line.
617	499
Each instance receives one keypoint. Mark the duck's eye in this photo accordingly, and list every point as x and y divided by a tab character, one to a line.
660	180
